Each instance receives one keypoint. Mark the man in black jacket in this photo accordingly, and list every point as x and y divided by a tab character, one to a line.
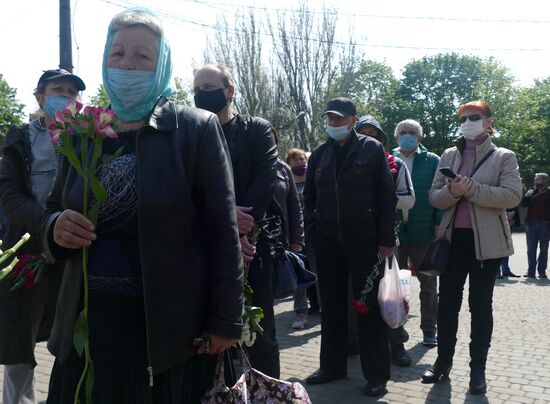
253	155
350	214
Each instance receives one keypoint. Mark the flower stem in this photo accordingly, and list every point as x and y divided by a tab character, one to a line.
83	375
87	355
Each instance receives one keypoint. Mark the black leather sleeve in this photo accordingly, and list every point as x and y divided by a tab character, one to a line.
214	185
261	188
16	199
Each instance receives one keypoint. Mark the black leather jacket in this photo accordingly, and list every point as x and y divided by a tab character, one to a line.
356	201
254	156
18	308
189	244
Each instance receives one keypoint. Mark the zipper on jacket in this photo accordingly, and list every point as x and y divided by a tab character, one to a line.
150	371
336	179
504	230
149	367
478	239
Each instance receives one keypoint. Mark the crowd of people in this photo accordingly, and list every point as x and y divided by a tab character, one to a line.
186	189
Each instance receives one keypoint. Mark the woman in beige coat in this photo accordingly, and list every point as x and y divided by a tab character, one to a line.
475	223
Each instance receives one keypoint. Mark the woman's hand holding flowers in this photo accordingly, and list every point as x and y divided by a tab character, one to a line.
73	230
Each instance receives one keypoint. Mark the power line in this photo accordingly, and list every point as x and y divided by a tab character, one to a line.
381	16
184	20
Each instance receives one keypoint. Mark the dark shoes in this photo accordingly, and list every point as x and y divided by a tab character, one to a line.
509	274
436	373
375	389
478	385
322	377
529	276
399	356
430	338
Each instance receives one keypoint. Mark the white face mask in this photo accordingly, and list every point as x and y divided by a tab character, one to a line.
471	130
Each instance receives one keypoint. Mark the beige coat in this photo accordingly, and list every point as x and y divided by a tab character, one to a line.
496	186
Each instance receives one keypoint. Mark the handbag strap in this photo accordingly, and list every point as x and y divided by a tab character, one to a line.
483	160
219	375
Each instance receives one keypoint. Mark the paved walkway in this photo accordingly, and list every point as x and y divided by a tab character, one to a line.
518	369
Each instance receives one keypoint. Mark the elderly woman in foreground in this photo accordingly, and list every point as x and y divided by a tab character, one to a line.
165	265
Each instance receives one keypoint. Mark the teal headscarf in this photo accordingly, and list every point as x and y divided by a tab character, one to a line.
123	93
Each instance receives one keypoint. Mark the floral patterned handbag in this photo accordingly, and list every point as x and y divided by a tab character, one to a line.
253	387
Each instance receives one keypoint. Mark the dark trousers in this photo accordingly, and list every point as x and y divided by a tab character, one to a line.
538	235
462	263
336	262
264	354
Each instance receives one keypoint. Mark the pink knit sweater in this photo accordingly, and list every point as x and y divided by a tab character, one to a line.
462	219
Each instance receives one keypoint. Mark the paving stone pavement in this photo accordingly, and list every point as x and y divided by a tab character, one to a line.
518	369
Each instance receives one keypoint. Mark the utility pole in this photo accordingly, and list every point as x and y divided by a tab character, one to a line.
65	39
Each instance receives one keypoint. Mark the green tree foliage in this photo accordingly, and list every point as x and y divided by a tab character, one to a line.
100	98
528	130
11	110
182	96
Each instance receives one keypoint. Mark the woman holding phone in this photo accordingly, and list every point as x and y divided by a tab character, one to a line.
475	207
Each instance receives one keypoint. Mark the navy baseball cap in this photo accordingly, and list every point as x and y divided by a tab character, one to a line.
51	75
341	106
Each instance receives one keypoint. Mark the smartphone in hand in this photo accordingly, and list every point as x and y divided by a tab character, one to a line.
447	172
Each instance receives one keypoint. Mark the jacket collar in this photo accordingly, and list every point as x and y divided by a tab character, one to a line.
354	141
421	151
481	150
164	117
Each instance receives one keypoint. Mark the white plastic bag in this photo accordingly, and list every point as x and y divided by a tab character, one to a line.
405	278
394	304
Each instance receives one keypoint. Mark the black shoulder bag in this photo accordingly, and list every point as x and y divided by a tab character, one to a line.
435	261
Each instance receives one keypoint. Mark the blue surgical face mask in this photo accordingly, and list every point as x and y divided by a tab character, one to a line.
408	142
130	87
337	132
55	103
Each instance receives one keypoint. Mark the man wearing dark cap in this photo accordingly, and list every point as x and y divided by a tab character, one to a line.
349	211
27	171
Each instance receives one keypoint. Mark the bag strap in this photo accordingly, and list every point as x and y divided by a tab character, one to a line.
483	160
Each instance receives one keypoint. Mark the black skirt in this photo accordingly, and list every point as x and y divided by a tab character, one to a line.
118	345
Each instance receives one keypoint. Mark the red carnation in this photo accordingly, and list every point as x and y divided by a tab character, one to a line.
359	307
391	163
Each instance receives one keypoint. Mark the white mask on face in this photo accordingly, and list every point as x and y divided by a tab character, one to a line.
471	130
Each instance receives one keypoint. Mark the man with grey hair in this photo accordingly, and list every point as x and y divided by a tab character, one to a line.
537	225
417	229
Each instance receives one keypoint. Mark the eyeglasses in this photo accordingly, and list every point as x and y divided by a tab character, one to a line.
472	118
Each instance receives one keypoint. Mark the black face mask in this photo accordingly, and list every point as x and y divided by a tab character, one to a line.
213	101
